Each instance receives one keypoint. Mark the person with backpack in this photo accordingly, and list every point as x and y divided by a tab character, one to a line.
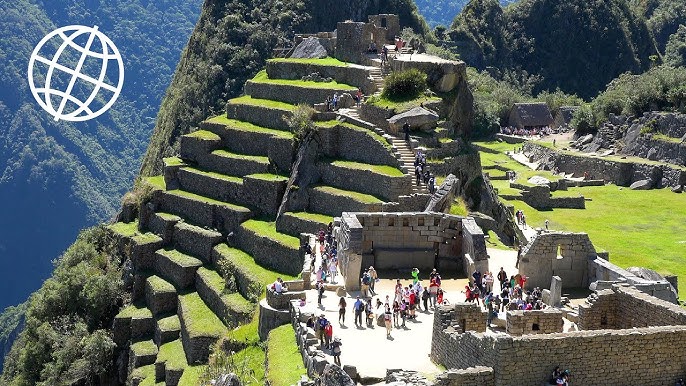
387	315
369	313
373	277
358	307
425	299
366	281
336	350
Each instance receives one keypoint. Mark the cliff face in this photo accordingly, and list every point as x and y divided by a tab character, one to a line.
231	43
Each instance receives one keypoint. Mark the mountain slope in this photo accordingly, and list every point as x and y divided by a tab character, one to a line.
59	177
576	45
444	11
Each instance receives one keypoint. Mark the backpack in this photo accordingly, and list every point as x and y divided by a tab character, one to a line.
366	279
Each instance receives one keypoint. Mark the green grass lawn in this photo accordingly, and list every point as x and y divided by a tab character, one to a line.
385	170
283	358
268	229
637	228
357	196
328	61
249	127
400	104
199	319
262	77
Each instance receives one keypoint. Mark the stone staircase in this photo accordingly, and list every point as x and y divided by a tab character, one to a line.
212	213
407	157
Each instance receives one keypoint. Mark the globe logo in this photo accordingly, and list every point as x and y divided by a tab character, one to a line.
70	74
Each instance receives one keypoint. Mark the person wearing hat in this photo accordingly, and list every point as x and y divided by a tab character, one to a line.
358	307
374	276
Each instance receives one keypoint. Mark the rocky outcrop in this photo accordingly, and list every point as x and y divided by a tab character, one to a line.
418	118
309	48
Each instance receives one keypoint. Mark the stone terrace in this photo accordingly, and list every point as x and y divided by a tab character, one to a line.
212	215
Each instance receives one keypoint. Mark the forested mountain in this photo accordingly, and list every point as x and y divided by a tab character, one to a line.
662	16
442	12
59	177
578	46
232	41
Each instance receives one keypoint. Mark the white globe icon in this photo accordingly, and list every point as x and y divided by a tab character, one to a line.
68	87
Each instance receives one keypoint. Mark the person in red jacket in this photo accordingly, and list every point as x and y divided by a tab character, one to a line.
328	335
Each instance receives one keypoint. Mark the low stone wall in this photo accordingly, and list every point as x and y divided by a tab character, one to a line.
269	253
195	241
377	115
264	194
280	150
351	74
293	94
625	307
365	181
546	321
293	225
511	139
621	173
601	270
633	354
282	301
215	301
472	376
344	141
259	115
330	204
539	197
442	75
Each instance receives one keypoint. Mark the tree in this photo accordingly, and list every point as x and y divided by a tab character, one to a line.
675	52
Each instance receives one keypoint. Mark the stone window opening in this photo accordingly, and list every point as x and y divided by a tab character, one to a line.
406	222
376	221
420	221
384	24
535	327
463	324
559	253
391	221
603	320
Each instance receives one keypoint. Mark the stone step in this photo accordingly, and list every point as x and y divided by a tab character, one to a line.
270	248
178	268
162	224
294	223
167	328
195	241
133	322
160	295
142	353
232	308
200	328
203	211
170	363
234	164
299	92
382	181
211	184
198	143
333	201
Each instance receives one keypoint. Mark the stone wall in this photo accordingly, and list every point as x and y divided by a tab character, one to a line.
624	307
293	94
557	254
474	245
472	376
348	233
366	181
539	197
622	173
641	357
345	141
352	74
259	115
269	253
353	40
601	270
376	115
442	75
546	321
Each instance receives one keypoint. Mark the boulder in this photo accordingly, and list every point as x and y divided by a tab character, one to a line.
538	180
652	154
346	101
586	139
309	48
335	376
418	118
351	371
641	185
678	189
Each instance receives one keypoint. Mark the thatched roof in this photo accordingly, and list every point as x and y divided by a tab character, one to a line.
530	115
565	114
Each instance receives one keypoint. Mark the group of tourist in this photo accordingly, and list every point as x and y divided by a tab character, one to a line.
323	330
524	132
327	269
521	218
422	173
396	311
332	102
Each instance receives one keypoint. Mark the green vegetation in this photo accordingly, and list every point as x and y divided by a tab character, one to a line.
439	13
636	227
284	362
160	285
124	229
268	229
245	126
675	52
531	39
156	182
191	376
385	170
247	364
198	319
204	134
219	176
170	323
300	122
262	77
136	310
268	177
172	353
315	217
248	100
400	104
65	339
173	161
146	374
180	258
459	207
376	137
144	348
663	17
404	85
196	197
234	301
253	158
328	61
357	196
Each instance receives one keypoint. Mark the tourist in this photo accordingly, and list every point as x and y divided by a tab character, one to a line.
358	307
366	282
519	254
336	351
396	313
333	270
415	275
468	294
341	310
322	322
488	301
359	95
328	335
374	277
320	292
505	294
403	312
278	286
502	278
432	184
335	101
406	131
425	299
546	224
439	297
413	303
418	175
476	275
488	281
398	291
369	313
433	290
387	319
418	289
